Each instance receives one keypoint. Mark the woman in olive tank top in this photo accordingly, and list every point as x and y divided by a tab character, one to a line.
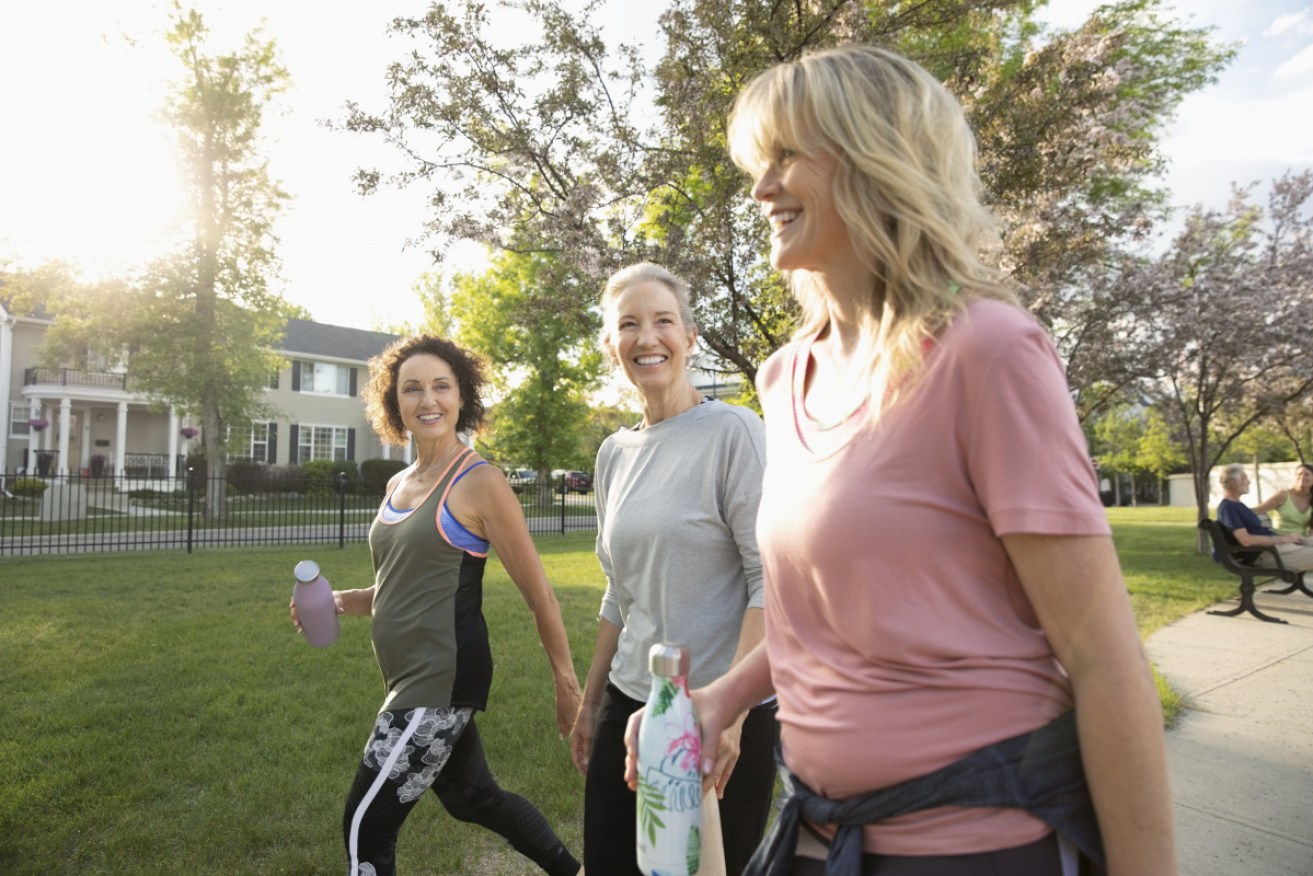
429	544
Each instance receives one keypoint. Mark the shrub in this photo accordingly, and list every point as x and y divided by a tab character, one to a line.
247	476
286	480
375	474
322	476
30	488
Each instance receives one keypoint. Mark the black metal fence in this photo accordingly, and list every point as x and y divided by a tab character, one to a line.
84	514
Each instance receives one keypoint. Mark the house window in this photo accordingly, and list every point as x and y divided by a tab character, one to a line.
325	378
260	444
321	442
18	417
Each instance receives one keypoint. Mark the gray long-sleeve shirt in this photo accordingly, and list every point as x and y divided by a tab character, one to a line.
676	537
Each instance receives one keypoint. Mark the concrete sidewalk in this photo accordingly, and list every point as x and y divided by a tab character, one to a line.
1241	757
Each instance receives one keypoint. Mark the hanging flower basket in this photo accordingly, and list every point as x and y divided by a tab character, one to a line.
38	423
189	432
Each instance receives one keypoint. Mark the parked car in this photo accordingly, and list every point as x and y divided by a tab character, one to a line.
574	482
520	478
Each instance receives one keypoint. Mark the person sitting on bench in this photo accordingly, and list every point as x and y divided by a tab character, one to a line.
1238	519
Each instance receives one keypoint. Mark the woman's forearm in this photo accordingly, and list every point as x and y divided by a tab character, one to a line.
356	602
1120	725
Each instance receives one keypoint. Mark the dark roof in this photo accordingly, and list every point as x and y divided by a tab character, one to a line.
339	342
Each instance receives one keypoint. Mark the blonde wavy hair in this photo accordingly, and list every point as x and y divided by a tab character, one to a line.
905	184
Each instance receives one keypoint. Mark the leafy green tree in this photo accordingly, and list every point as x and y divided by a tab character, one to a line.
543	368
200	322
432	295
1118	434
536	147
1225	321
1159	453
1296	422
603	420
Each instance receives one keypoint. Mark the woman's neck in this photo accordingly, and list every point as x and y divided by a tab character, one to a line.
851	300
429	457
679	398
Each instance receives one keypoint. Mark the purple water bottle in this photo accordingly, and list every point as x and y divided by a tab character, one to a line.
313	596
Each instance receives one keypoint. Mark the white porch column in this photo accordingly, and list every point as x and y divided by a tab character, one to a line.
121	440
6	377
173	444
33	436
65	421
85	461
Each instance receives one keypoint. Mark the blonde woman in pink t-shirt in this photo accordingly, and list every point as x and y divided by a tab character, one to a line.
944	606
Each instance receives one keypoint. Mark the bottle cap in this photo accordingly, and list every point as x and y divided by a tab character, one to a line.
668	659
306	571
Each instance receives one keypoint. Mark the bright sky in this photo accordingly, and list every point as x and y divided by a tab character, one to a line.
87	175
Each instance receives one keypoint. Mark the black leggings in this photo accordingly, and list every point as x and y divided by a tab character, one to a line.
610	844
440	749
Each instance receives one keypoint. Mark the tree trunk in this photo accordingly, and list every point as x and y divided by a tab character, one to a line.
216	486
1201	502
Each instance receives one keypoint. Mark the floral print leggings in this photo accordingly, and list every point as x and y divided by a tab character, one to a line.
414	750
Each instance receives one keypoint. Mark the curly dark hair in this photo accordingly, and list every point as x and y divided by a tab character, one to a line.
381	392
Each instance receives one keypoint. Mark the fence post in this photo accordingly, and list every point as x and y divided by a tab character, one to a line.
341	509
191	507
564	492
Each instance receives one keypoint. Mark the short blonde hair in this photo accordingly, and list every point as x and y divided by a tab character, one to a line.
642	272
905	184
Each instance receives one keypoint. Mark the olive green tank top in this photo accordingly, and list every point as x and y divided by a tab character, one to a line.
1290	520
428	630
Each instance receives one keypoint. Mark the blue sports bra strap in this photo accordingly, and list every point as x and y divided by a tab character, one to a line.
468	470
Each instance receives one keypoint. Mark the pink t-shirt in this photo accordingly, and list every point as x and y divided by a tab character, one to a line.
900	639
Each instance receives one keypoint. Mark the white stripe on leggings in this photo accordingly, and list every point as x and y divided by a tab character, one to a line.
353	842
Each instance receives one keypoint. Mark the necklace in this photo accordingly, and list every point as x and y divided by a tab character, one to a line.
419	475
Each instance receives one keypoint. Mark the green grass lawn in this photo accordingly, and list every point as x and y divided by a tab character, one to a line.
160	716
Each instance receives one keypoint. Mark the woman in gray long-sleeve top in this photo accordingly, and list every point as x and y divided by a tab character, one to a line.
677	499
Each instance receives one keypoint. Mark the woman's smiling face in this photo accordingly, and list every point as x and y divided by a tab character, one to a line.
649	338
796	194
428	396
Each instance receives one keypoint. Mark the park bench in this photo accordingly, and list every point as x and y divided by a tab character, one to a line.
1239	560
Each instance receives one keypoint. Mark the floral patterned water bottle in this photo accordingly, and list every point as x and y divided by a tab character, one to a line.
669	773
315	607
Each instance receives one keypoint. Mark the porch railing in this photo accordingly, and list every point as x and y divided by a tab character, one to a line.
75	377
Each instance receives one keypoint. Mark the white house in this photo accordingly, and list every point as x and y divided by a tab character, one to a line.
95	422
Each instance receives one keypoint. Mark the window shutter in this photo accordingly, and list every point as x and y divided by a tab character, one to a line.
351	433
273	381
272	448
296	378
293	449
352	390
